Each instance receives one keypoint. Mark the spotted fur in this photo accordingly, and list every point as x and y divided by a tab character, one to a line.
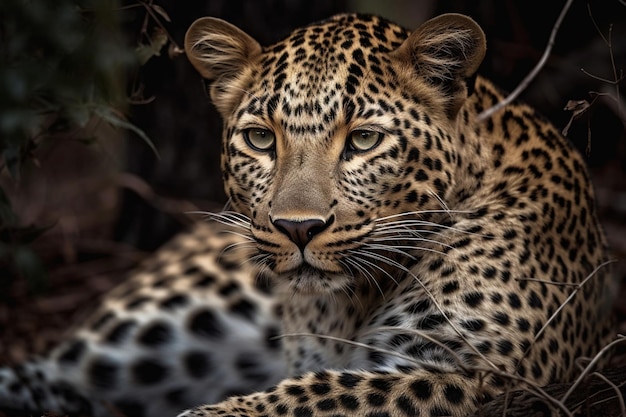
191	325
422	261
436	258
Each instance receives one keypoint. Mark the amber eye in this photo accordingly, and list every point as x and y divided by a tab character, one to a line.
364	140
259	139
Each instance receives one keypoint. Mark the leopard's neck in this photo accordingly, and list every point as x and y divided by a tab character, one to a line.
319	328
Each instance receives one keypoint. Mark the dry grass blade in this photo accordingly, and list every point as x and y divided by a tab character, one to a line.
616	388
591	366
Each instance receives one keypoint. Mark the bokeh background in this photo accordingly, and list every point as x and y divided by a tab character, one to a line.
107	137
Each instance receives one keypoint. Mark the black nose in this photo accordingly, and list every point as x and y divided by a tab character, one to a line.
302	232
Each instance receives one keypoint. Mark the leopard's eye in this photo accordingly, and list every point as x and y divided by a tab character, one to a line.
262	140
364	140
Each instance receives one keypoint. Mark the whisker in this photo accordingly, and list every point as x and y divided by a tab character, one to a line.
258	262
380	258
228	204
412	223
407	224
239	245
417	213
368	275
241	235
231	217
392	249
405	229
417	247
439	200
346	267
259	258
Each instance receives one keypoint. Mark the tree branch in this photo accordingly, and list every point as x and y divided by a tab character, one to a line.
533	73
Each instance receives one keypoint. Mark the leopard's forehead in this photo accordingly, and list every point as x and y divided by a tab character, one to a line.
328	45
314	70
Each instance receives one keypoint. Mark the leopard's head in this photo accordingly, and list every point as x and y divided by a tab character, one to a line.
337	135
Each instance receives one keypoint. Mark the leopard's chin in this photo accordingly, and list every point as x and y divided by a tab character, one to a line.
310	280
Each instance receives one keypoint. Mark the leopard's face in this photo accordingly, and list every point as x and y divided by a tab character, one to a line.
336	136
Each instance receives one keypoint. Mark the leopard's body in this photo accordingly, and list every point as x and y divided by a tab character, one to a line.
417	259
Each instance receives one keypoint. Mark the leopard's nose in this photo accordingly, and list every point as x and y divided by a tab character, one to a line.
301	232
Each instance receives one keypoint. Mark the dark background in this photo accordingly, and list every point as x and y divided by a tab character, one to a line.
109	205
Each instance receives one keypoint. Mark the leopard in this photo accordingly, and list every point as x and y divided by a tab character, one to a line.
390	248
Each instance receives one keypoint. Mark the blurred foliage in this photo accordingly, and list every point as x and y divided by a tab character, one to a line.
62	63
16	256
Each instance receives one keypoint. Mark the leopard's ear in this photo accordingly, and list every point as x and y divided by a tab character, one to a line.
446	51
220	52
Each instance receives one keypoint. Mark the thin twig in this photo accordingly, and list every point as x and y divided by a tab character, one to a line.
592	364
608	40
604	80
617	79
617	390
595	25
561	307
616	104
533	388
531	76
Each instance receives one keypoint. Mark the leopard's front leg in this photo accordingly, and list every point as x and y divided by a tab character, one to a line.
356	393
